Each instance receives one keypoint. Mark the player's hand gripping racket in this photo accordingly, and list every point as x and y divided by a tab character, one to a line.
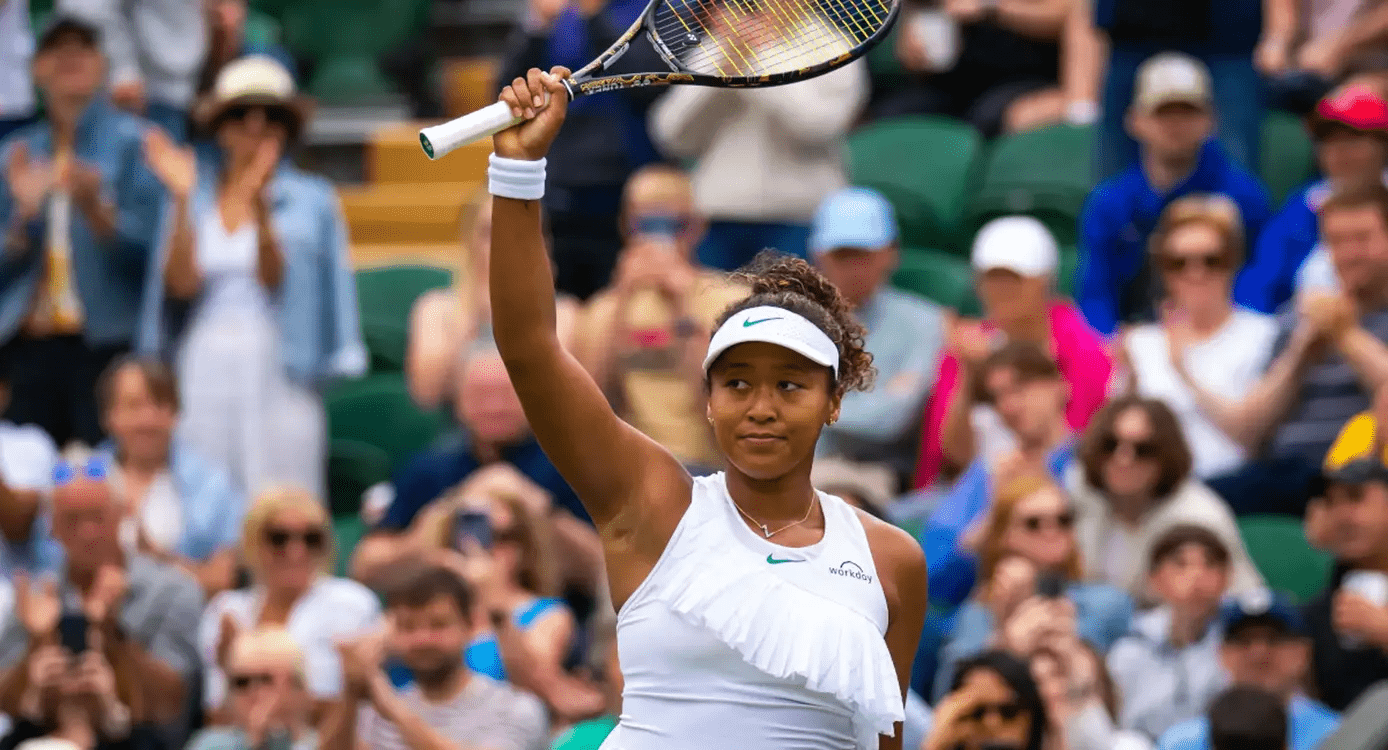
725	43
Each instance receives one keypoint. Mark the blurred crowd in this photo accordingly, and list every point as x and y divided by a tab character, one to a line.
1094	480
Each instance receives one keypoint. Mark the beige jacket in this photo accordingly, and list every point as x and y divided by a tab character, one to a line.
1191	503
764	155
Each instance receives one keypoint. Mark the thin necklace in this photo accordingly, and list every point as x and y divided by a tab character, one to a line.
768	533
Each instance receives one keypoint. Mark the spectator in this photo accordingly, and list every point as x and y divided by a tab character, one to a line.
75	701
179	508
155	48
27	460
17	105
495	432
1133	484
1080	698
589	735
227	41
1352	152
993	703
644	336
1015	261
446	322
1172	117
604	139
1167	667
1348	621
1031	581
1247	719
80	212
254	291
1006	77
1340	38
1222	34
287	543
144	612
1026	388
511	563
270	705
853	242
1265	647
430	610
867	487
1198	245
765	160
1330	356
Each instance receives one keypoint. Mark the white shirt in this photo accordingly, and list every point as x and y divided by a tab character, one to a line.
330	609
27	457
1228	363
228	263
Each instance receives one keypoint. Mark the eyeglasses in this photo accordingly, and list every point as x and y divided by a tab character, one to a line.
276	115
1143	449
66	473
1209	262
1063	521
246	680
279	539
1004	711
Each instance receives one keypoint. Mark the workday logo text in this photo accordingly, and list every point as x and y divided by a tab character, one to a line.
850	569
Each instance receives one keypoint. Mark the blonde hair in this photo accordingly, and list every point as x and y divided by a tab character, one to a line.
274	501
991	551
1216	211
268	640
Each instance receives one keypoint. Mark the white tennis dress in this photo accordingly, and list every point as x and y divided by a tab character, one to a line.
733	642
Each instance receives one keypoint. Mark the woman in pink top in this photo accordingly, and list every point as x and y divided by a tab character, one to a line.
1015	258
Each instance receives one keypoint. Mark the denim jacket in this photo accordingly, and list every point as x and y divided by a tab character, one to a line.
316	303
109	275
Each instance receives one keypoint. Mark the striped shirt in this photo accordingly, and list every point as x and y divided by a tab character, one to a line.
1329	394
485	714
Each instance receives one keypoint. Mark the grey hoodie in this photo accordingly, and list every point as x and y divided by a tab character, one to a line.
1158	684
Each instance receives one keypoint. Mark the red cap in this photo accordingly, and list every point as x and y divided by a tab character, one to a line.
1358	106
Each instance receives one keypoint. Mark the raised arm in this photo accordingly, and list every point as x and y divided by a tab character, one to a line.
607	462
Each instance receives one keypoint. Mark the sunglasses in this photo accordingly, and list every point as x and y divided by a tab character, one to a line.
1004	711
279	539
1179	263
1143	449
275	115
246	680
67	473
1063	521
660	226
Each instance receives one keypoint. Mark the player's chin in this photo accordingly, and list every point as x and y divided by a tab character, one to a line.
764	462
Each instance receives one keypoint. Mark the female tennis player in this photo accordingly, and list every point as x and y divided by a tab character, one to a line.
753	612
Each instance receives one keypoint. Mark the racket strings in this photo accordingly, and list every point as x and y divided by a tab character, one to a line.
752	38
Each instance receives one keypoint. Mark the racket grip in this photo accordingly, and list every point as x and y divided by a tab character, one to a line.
487	121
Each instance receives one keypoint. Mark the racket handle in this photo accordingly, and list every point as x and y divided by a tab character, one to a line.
487	121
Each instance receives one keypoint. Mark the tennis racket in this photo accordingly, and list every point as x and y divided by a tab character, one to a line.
724	43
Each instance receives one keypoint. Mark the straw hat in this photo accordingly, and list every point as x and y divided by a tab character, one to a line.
254	80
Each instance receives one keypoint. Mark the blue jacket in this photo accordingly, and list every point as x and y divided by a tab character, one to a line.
1268	279
1114	283
316	304
109	274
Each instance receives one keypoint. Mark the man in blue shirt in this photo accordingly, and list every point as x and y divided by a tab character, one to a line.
854	243
1265	647
1172	118
79	210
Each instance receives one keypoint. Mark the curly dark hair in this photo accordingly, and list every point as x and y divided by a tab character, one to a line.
790	283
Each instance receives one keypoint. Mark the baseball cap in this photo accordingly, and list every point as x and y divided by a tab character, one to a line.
1020	244
66	23
1261	607
1351	458
1172	77
858	218
1356	106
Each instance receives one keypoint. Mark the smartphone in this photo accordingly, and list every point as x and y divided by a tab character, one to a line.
1050	586
72	633
472	526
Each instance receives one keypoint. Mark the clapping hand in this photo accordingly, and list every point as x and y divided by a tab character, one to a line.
176	166
362	658
967	340
103	600
30	181
39	608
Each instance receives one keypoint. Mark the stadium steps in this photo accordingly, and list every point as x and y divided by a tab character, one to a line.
421	213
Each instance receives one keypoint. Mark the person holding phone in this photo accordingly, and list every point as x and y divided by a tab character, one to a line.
270	707
993	704
1031	581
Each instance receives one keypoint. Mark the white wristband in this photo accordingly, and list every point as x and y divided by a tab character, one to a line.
516	178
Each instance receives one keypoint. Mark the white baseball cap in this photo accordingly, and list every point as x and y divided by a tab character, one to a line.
1020	244
774	325
1172	77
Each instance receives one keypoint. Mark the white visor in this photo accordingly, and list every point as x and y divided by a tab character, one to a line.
775	325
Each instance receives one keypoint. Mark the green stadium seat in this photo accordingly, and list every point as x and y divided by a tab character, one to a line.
1279	548
1068	276
353	468
377	410
1286	158
339	80
262	28
347	531
925	166
942	277
386	296
1046	173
